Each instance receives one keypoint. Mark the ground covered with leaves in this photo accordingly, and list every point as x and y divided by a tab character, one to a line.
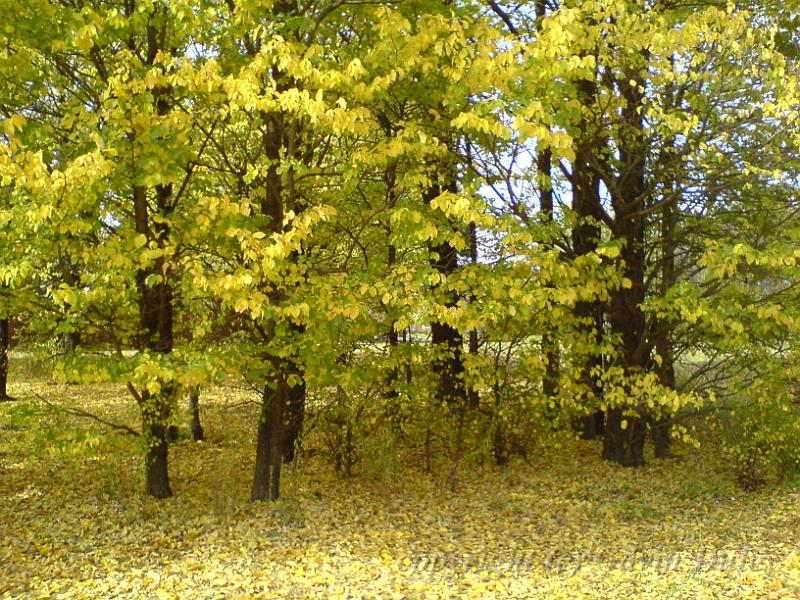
564	524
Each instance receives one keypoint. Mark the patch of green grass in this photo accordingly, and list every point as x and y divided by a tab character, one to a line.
694	489
634	510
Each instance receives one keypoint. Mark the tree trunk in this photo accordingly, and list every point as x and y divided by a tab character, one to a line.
592	315
408	339
544	165
391	393
660	429
624	439
71	276
662	442
5	339
585	238
550	350
156	461
295	413
72	339
270	443
447	341
155	299
194	407
627	318
592	426
260	486
473	343
634	447
283	400
613	441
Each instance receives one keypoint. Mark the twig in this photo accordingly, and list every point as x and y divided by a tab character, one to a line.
81	413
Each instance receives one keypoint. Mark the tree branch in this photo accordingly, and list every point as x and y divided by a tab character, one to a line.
82	413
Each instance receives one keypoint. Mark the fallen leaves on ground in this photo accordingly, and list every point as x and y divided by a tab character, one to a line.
567	525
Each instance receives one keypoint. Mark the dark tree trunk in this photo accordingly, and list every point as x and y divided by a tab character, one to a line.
634	447
260	486
5	339
592	426
662	444
196	426
391	393
550	350
474	346
500	446
72	277
600	422
624	439
156	326
592	315
270	443
660	427
448	365
613	441
408	339
295	413
155	299
627	317
544	165
283	400
157	461
447	341
585	237
72	340
666	369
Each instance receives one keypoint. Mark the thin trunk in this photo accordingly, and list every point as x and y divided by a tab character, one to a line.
473	394
71	276
407	339
4	348
391	393
550	350
393	376
194	407
666	369
283	400
295	412
447	341
544	165
499	442
428	450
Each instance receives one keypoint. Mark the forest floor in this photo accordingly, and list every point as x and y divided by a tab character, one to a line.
75	524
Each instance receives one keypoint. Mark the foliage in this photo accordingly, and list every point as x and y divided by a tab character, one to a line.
405	237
